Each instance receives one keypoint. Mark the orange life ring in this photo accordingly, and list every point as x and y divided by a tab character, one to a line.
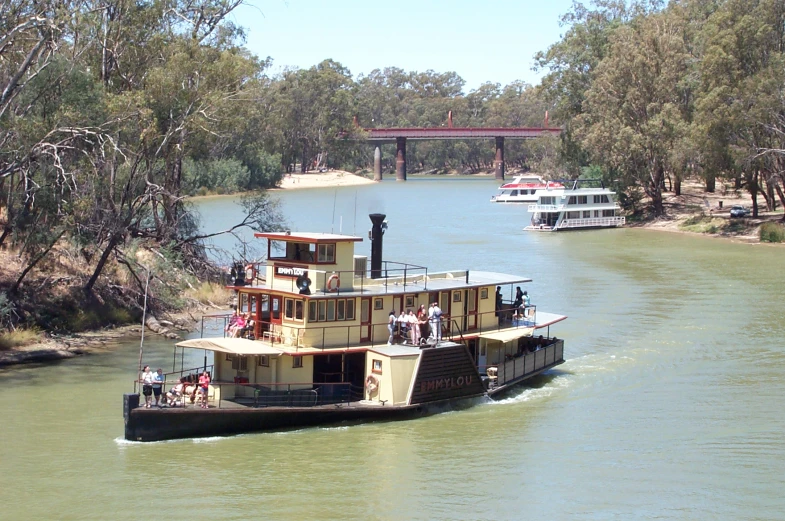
334	282
371	384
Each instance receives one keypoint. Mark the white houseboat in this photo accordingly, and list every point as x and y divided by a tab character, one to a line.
522	189
575	206
320	350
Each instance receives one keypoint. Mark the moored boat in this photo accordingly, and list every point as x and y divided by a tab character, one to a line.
320	347
522	189
575	206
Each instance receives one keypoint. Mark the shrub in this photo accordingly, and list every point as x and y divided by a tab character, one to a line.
19	337
208	292
772	232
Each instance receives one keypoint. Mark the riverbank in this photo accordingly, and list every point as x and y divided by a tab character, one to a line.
696	211
329	179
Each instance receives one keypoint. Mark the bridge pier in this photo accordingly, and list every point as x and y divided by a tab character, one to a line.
377	164
400	159
498	163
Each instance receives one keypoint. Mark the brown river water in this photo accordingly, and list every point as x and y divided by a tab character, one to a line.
671	404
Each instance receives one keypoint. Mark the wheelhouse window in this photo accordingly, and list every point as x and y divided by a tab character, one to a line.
326	253
293	309
297	362
600	199
582	199
571	200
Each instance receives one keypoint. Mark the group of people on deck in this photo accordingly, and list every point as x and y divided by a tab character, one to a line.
152	384
415	328
239	325
518	308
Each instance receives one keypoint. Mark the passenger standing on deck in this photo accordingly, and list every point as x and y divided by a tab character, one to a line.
526	302
414	327
436	322
499	301
204	387
147	385
158	381
422	322
391	327
403	326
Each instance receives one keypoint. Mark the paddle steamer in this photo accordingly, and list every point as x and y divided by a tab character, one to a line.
320	350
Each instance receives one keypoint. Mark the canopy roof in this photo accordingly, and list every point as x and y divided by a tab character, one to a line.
235	346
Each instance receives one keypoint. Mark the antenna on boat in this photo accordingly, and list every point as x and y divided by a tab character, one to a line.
354	231
332	223
144	318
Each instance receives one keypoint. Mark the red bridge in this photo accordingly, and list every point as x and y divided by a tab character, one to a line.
400	135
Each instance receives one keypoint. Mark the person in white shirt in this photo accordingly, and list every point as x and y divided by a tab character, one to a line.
435	317
147	385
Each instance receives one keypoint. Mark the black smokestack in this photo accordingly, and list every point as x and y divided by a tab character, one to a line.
377	231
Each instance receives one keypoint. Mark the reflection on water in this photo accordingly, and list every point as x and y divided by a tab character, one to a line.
667	407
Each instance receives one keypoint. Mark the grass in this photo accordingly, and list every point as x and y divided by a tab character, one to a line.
19	337
703	224
772	232
208	293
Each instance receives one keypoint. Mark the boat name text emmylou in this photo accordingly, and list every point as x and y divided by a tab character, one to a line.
446	383
290	271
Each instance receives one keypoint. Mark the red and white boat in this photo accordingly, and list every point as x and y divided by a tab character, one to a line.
523	189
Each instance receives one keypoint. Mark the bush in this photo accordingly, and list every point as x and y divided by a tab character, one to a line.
20	337
772	232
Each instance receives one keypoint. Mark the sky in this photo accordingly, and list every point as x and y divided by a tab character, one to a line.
481	40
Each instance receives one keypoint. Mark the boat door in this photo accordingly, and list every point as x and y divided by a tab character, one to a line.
275	310
482	355
365	320
471	309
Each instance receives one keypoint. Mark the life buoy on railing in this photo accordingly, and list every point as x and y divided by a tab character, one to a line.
250	272
371	384
334	282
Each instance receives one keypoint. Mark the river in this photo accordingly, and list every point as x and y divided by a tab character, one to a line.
670	404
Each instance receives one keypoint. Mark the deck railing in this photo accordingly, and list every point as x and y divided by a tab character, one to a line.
594	221
531	359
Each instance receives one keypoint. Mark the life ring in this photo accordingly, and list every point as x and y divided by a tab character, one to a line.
250	272
371	384
334	282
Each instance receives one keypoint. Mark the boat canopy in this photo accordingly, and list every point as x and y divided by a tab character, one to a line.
235	346
507	335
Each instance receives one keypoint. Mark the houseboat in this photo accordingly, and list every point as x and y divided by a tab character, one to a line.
321	350
577	205
522	189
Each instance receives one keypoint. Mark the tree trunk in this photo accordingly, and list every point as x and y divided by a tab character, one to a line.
677	186
113	241
711	183
35	261
753	188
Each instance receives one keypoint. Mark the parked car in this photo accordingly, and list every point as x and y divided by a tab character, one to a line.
739	211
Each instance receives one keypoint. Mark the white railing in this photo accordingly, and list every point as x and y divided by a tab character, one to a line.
595	221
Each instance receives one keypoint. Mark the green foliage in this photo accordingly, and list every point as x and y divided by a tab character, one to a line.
772	232
703	224
6	310
18	338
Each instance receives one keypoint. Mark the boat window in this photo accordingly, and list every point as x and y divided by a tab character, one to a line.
572	200
326	253
288	306
547	200
264	360
573	215
330	310
596	213
322	310
472	300
297	362
243	302
298	309
340	311
587	214
293	309
253	304
350	309
600	199
608	213
582	199
312	311
365	312
514	192
277	308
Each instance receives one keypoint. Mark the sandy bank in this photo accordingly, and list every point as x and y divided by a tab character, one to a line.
330	179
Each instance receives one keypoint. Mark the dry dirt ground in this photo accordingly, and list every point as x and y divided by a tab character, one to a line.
694	202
